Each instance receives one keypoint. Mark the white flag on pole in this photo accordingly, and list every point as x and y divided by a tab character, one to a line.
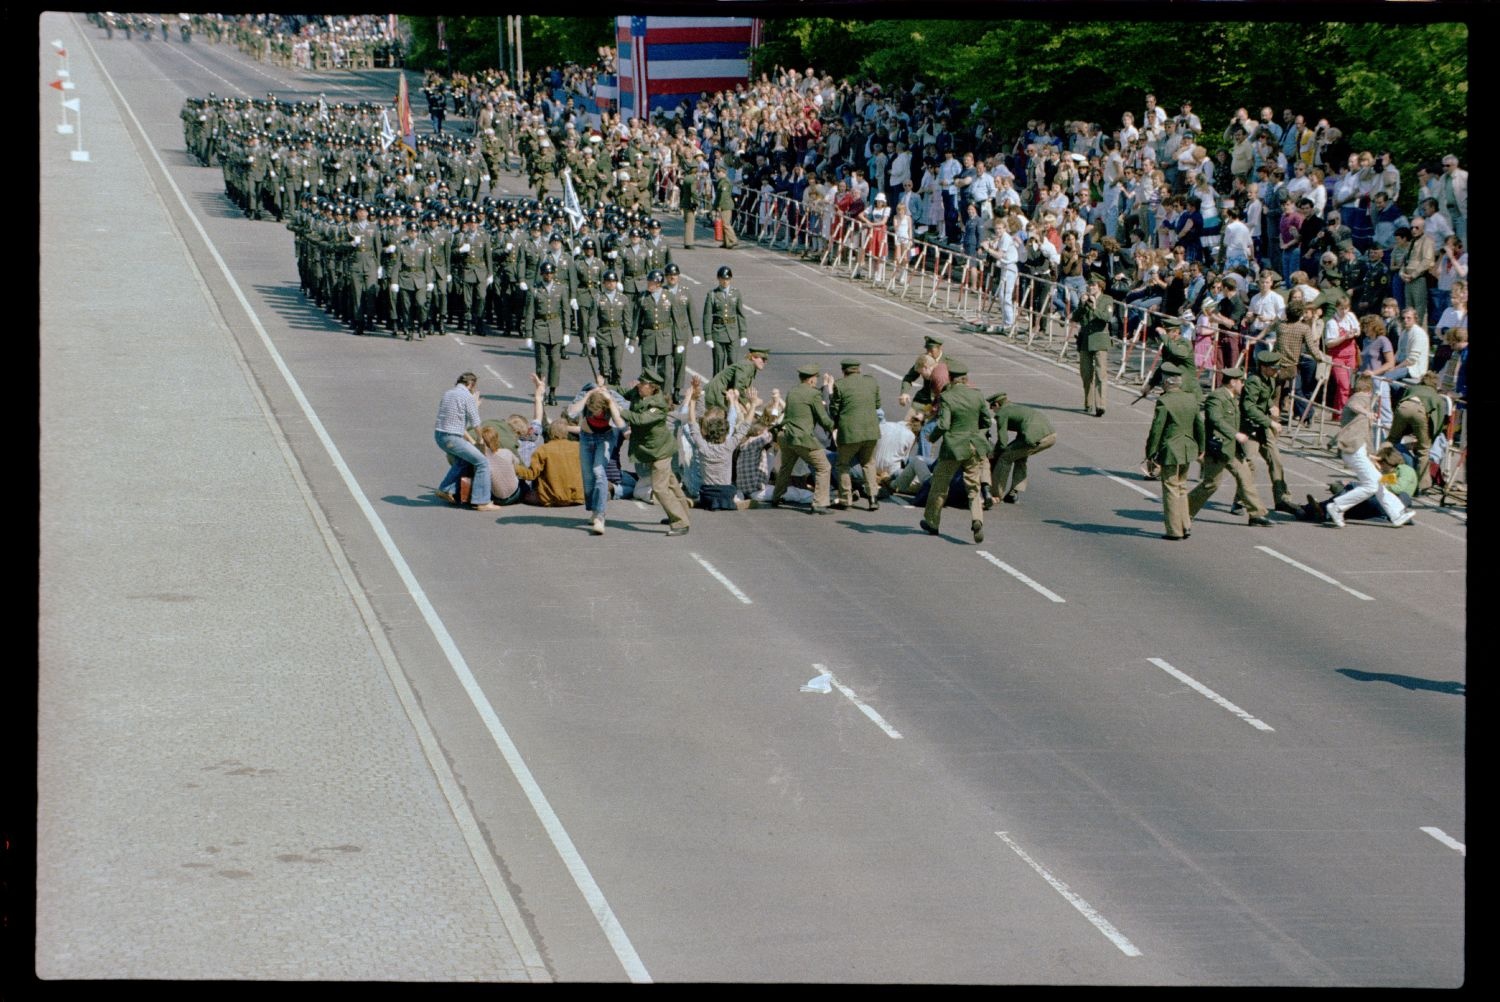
570	201
71	105
387	131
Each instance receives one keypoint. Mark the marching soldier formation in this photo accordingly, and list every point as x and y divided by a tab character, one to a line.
409	240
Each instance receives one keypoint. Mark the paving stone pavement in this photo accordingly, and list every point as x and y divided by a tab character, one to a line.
229	786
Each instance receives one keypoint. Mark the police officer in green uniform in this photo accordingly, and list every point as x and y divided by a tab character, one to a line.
963	424
365	241
724	319
1419	413
852	403
1260	418
653	443
738	377
933	349
724	206
614	326
1226	450
1177	438
1031	433
687	200
547	327
804	410
684	326
1093	314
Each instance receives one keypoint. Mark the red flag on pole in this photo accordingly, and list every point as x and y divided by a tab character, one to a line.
62	52
57	84
403	114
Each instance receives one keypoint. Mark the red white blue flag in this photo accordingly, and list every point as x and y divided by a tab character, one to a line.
663	60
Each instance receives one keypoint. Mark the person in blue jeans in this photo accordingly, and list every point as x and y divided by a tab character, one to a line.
597	411
458	413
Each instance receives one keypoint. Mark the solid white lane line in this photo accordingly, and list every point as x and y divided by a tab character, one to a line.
499	377
881	368
690	278
1447	840
751	309
864	707
1084	908
1121	480
805	334
1315	573
562	843
1007	568
1193	683
722	579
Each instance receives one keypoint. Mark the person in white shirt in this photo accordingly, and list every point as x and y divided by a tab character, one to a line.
900	169
1239	248
1413	349
1267	307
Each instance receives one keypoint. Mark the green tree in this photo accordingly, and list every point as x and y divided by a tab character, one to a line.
474	42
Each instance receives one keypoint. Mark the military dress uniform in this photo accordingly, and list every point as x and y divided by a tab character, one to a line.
684	333
634	266
687	200
473	268
440	239
724	324
804	410
852	405
548	326
1177	438
365	266
724	205
653	330
963	424
1420	413
416	278
614	324
588	284
738	377
1223	452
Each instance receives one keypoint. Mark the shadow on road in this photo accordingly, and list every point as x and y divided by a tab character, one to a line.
217	204
1406	681
295	310
1105	530
889	530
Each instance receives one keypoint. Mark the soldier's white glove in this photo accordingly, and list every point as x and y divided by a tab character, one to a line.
490	280
249	160
354	242
593	343
282	188
308	184
567	340
463	248
395	287
390	250
530	343
744	341
485	178
523	286
630	347
573	303
429	286
448	280
612	255
273	174
697	339
510	246
681	348
380	272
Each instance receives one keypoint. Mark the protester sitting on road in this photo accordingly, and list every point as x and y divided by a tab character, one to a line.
554	470
505	486
714	445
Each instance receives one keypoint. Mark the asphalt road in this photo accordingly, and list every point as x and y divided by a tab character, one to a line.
1073	754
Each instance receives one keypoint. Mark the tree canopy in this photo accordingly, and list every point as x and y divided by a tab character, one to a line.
474	42
1398	87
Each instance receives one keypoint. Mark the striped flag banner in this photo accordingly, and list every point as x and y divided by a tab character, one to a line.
663	60
403	113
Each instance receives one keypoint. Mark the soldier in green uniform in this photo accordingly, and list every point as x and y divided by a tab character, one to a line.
416	277
614	326
547	327
724	206
635	264
588	277
1226	449
1031	433
963	424
738	377
1093	314
653	444
657	251
474	268
440	239
804	410
1260	418
365	241
724	319
1176	440
653	324
1420	413
687	201
684	326
853	403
